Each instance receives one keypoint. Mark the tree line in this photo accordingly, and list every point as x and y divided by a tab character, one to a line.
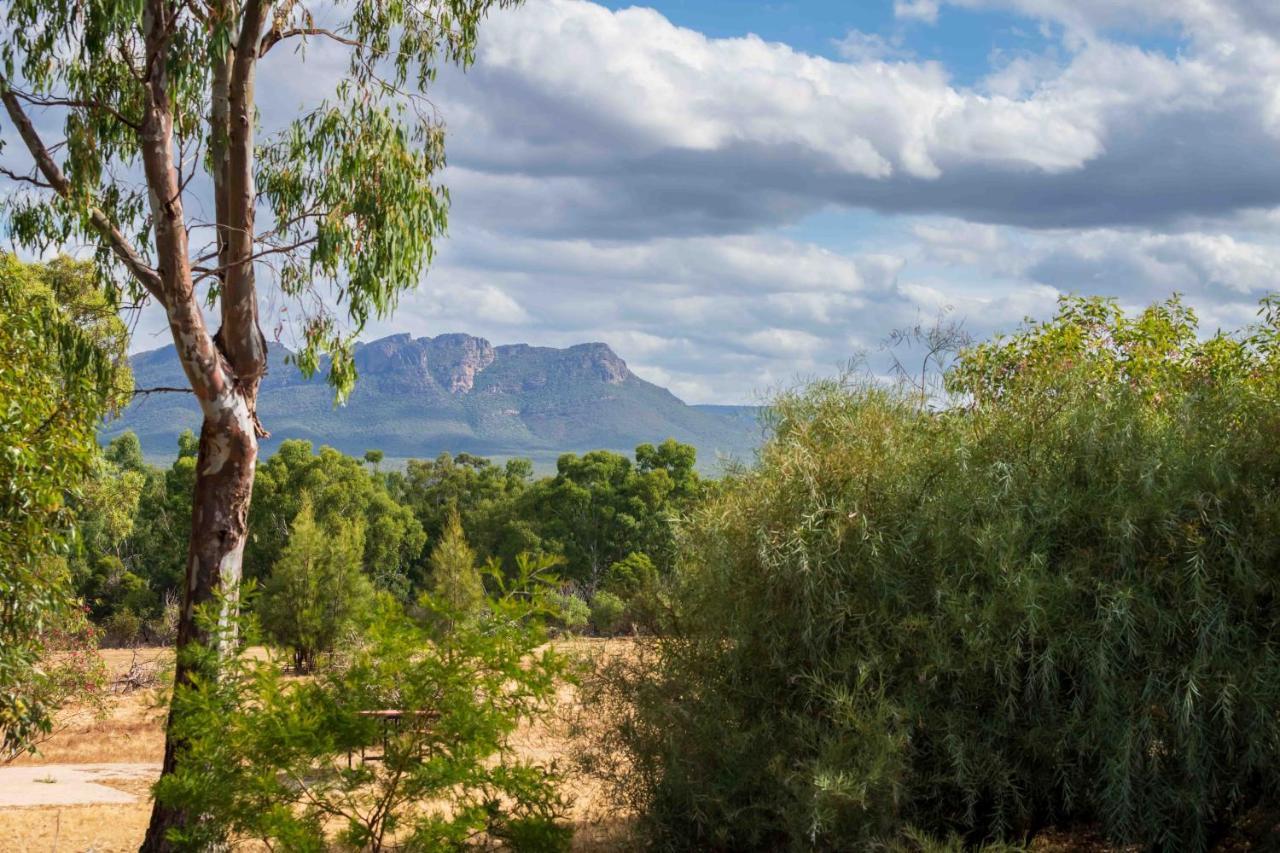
326	526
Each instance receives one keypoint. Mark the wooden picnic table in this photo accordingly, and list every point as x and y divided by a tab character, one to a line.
392	720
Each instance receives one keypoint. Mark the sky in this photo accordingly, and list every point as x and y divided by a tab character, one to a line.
738	195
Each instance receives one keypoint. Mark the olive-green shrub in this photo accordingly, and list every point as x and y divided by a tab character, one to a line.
310	765
607	613
1051	600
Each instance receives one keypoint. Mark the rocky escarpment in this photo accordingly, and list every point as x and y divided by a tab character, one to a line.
446	362
454	363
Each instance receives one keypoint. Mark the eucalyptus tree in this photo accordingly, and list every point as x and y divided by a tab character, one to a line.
133	112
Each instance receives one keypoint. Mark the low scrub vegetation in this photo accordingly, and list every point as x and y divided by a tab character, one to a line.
1048	600
404	744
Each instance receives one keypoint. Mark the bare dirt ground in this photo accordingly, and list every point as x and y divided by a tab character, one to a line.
89	788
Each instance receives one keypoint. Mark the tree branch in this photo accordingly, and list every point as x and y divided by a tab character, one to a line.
27	179
46	101
276	36
119	245
161	389
205	272
240	337
203	364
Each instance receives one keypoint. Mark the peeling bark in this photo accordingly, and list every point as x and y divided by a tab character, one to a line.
219	529
224	370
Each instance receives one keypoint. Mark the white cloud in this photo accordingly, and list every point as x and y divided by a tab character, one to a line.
918	10
857	46
634	77
581	121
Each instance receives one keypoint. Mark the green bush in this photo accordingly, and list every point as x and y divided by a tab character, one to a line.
635	580
122	628
317	589
571	612
607	613
454	575
631	575
1049	602
281	761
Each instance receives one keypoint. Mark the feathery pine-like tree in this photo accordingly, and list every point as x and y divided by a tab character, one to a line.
316	589
454	576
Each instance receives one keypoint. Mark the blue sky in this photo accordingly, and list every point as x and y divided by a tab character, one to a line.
967	42
964	41
737	195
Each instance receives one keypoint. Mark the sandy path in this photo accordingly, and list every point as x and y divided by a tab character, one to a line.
69	784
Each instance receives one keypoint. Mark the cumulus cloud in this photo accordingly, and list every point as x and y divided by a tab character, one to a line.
585	121
1213	267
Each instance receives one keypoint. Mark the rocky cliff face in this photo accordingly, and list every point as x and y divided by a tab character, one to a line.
446	362
600	361
454	364
456	359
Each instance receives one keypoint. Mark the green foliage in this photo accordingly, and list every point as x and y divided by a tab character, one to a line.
316	590
61	370
122	628
1049	602
268	757
106	509
455	579
339	487
600	507
635	580
157	546
631	575
607	613
137	519
571	612
480	491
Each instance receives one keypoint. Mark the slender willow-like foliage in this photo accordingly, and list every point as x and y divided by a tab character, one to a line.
1052	603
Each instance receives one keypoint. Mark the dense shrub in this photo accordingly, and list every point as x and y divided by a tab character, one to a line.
636	581
608	613
571	612
1052	600
122	629
309	765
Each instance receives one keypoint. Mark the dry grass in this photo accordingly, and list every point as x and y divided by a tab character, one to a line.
133	732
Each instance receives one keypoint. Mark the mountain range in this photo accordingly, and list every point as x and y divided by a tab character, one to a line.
418	397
